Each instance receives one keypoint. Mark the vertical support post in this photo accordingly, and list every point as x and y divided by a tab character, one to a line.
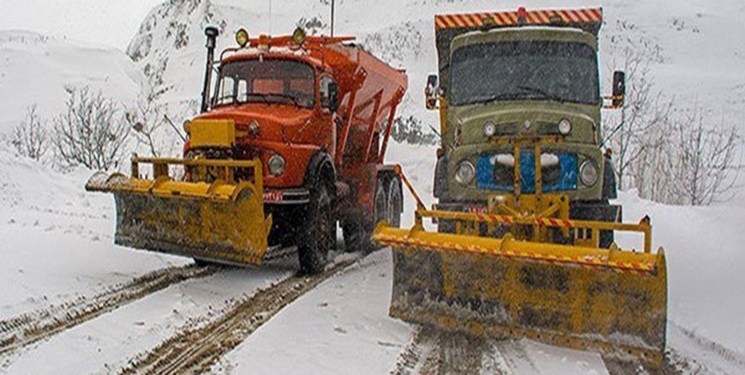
389	127
538	184
135	168
373	124
538	171
518	179
351	104
646	222
258	178
160	169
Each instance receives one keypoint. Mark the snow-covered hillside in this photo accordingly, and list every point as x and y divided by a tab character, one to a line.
700	54
37	69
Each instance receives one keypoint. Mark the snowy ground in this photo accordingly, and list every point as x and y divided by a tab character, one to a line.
58	248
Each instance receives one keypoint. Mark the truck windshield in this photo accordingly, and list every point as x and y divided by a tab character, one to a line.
267	81
524	70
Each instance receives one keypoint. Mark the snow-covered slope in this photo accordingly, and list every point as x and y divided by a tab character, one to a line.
37	69
700	53
57	240
107	23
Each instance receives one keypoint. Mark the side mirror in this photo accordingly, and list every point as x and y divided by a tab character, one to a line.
619	89
431	91
333	97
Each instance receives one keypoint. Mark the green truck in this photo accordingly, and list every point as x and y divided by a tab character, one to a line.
518	79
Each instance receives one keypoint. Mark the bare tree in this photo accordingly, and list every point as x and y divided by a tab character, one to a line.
30	137
705	160
89	132
644	107
146	118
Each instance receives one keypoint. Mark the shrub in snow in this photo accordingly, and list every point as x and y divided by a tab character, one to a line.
409	130
90	132
30	137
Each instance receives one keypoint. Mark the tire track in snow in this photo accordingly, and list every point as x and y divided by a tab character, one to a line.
27	328
195	349
435	352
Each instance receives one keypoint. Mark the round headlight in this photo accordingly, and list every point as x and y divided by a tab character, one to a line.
298	36
241	37
588	173
465	173
565	127
490	129
276	165
187	127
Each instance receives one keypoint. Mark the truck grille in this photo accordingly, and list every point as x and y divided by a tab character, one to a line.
497	172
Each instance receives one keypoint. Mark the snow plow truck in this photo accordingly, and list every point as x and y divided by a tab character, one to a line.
291	140
525	243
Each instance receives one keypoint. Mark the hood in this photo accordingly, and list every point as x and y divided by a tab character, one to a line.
526	118
277	122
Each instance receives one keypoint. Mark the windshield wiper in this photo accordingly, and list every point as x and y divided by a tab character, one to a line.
542	92
500	96
259	95
285	96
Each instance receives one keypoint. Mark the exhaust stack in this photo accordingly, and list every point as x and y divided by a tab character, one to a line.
211	32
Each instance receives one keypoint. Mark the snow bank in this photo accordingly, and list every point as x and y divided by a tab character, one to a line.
57	239
705	262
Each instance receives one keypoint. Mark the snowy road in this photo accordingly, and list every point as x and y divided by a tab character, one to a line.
343	327
108	343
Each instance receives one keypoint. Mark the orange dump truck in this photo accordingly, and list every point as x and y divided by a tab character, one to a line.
291	141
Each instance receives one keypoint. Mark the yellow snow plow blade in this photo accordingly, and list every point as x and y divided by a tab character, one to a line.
612	301
217	221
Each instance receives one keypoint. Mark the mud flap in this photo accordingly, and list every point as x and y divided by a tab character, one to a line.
220	222
608	301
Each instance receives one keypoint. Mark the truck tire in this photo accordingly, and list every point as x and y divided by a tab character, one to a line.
356	236
357	232
318	234
380	202
395	202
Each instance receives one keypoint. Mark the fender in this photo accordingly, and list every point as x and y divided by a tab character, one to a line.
320	165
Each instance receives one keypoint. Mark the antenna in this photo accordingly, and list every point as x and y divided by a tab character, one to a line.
332	17
270	17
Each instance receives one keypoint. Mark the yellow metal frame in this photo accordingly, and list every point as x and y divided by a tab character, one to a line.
438	275
220	218
222	170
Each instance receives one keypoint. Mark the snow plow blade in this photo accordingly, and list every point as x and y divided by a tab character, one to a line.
610	301
219	221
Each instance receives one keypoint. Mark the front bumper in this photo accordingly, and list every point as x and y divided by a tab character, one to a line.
286	196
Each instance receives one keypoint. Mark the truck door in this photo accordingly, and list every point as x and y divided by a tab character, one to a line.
330	122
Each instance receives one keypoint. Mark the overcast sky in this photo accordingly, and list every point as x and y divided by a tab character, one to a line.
104	22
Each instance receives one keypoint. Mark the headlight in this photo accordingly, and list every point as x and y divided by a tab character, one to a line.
187	127
298	36
565	127
465	173
276	165
588	173
241	37
490	129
